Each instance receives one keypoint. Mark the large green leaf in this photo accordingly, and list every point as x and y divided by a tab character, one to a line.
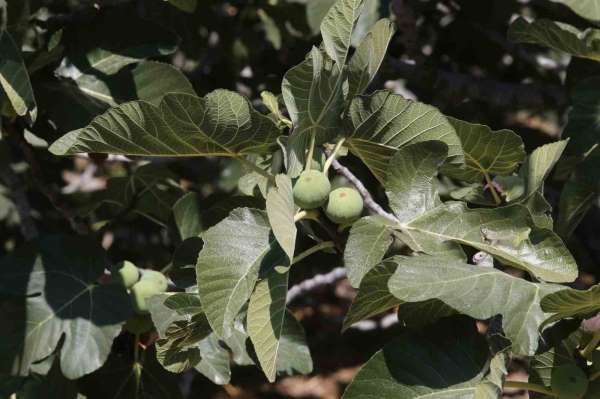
49	296
223	123
228	266
447	361
313	95
367	58
316	10
14	79
572	303
588	9
557	36
576	199
187	212
374	296
281	210
379	124
265	317
508	234
410	184
478	292
487	152
337	27
369	239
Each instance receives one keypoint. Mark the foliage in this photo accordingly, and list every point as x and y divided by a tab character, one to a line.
200	165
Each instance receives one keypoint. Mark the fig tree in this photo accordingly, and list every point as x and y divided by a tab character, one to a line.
139	324
156	277
140	292
311	189
125	273
569	382
344	206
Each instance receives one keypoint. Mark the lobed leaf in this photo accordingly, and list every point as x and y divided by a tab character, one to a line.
337	27
281	211
221	124
14	79
476	292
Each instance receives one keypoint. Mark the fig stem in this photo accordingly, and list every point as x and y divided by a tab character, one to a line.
312	250
333	155
490	184
530	387
311	150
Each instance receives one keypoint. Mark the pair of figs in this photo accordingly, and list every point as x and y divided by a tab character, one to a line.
140	287
312	189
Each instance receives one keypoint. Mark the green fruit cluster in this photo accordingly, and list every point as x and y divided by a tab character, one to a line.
343	205
151	283
569	382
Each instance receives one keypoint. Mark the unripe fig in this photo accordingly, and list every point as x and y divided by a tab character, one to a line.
569	382
139	324
311	189
156	277
140	292
344	206
125	273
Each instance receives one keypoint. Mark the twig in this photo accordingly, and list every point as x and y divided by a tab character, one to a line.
19	197
315	282
381	324
368	199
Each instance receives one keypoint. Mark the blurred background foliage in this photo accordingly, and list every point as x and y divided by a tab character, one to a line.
84	56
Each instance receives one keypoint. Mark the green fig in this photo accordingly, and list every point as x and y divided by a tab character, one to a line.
140	292
125	273
311	189
139	324
345	205
569	382
156	277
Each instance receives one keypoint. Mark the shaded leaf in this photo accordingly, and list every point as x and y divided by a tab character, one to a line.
487	152
281	210
294	354
49	295
228	265
557	36
214	364
265	317
410	184
447	361
381	123
337	27
221	124
540	163
367	58
188	6
314	98
572	303
588	9
14	79
368	241
374	296
187	213
476	292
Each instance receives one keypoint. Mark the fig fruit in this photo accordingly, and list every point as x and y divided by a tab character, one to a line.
140	292
345	205
569	382
125	273
156	277
139	324
311	189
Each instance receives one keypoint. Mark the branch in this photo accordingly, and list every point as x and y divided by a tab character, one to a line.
315	282
368	199
387	321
